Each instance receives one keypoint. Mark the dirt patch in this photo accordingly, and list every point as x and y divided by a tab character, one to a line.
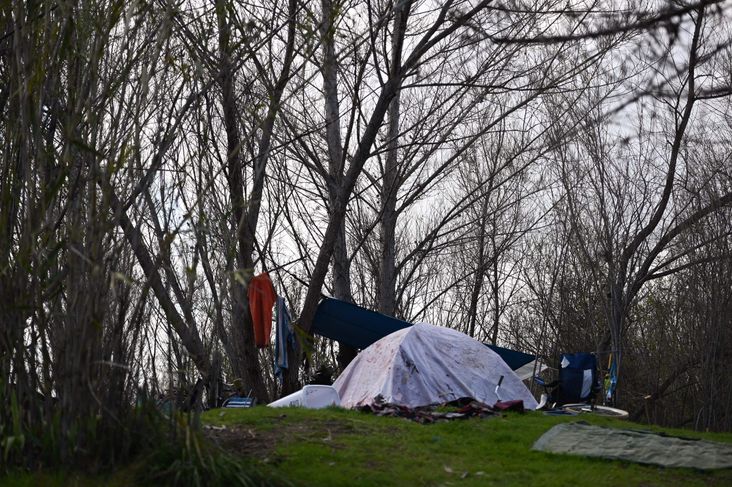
260	444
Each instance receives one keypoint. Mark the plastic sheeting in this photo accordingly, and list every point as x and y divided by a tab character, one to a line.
634	446
311	397
424	365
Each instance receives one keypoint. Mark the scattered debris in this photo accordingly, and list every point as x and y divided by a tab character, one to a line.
431	414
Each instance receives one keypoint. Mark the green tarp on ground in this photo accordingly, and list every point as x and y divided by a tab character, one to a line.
634	446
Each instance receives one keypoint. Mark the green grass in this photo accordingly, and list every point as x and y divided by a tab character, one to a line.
337	447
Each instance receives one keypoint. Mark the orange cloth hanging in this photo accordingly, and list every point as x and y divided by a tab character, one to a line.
261	298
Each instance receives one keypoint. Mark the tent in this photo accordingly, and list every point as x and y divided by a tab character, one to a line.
426	364
360	327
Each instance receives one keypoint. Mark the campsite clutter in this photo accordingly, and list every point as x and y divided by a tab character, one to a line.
460	409
410	366
262	296
401	364
427	374
406	365
360	327
575	390
425	365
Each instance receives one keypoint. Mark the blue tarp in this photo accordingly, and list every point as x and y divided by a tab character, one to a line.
360	327
513	358
353	325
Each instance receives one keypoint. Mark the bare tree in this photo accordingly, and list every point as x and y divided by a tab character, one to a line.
628	241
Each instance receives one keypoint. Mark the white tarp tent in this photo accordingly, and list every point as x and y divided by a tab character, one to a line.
426	364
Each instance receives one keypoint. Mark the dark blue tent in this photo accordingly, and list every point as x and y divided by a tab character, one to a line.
360	327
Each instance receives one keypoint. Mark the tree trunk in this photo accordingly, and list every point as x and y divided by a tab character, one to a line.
245	363
479	274
440	30
391	177
341	262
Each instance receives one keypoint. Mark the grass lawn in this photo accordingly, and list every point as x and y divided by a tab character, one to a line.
338	447
335	447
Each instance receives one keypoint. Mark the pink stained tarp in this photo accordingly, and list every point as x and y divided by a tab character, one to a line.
424	365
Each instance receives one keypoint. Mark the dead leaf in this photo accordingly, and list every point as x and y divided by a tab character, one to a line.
447	469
